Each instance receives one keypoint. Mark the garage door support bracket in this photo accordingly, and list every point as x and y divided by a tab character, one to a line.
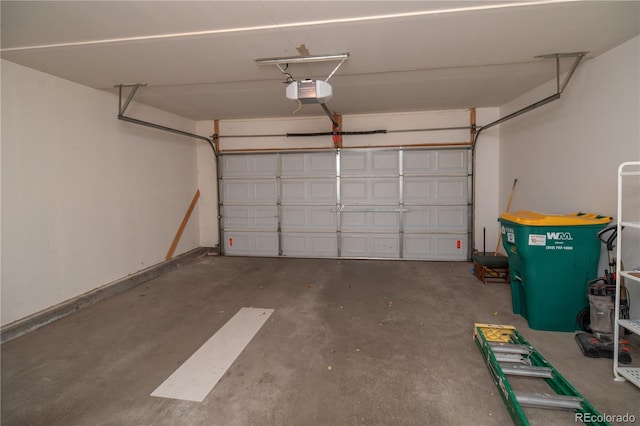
560	86
122	108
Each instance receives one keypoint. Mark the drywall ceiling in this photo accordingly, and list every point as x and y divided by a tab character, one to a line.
198	58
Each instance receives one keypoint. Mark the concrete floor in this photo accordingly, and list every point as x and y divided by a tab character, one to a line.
350	342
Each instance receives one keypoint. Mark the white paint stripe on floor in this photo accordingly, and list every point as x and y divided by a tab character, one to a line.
194	379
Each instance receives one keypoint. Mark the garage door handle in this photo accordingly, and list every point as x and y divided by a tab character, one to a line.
371	209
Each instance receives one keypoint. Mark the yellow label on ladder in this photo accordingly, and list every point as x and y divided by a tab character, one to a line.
495	332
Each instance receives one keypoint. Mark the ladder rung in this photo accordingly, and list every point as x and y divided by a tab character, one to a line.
510	348
542	400
514	358
526	370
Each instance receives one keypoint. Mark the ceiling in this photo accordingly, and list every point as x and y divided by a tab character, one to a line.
198	58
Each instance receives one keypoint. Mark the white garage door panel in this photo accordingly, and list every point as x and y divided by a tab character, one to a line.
309	244
409	203
452	218
249	191
430	190
370	245
433	218
314	164
452	189
369	163
435	246
309	218
435	162
452	161
264	218
321	190
249	165
251	243
370	191
371	221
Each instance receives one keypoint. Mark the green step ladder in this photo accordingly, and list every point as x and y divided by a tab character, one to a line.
507	353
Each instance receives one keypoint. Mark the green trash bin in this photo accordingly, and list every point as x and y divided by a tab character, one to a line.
551	260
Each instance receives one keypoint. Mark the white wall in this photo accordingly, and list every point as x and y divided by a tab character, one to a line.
86	199
208	184
273	136
566	154
487	208
277	128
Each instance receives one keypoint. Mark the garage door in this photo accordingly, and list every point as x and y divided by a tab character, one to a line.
358	203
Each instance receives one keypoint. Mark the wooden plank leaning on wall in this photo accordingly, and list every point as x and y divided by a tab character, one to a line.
176	239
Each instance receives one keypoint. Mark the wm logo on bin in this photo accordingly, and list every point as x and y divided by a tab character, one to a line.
562	236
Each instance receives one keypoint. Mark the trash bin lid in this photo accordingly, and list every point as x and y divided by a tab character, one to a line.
525	217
